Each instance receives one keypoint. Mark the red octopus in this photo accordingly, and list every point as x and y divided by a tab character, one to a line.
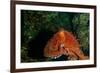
63	43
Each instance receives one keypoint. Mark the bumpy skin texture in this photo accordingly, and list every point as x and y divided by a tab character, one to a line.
63	43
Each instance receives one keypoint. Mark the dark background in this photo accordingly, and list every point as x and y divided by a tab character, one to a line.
37	27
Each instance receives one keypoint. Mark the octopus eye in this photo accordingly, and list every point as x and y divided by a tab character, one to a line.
62	45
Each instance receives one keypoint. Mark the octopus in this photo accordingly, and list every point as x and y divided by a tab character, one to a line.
63	43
